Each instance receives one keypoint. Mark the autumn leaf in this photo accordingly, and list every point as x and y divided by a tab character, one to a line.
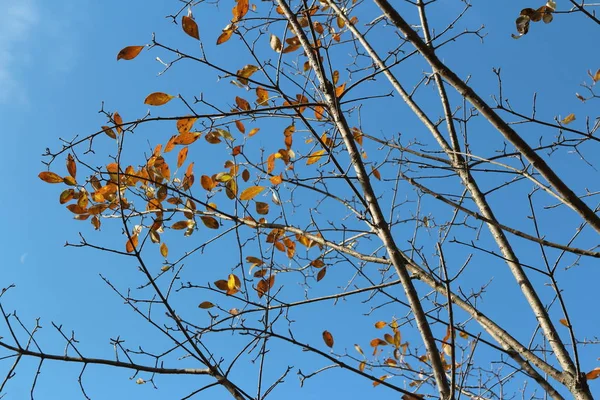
328	338
182	156
185	124
564	322
242	103
251	192
225	36
380	324
190	27
210	222
321	274
129	52
275	43
71	166
262	208
50	177
262	96
158	99
315	157
131	243
593	374
205	305
568	119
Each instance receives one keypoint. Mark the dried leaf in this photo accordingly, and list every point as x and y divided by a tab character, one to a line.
321	274
275	43
262	96
182	156
564	322
380	324
184	125
129	52
190	27
593	374
158	99
568	119
164	250
71	166
205	305
242	103
50	177
225	36
359	349
314	157
328	338
210	222
251	192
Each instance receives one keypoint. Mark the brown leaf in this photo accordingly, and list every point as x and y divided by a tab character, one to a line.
240	10
251	192
184	125
262	208
190	27
129	52
376	173
71	166
221	284
131	243
225	36
180	225
242	103
564	322
164	250
321	274
262	96
328	338
361	366
205	305
158	99
593	374
50	177
109	132
210	222
596	76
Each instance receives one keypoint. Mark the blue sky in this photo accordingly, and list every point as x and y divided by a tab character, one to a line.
57	64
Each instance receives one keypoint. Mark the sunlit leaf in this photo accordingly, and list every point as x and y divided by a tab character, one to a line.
129	52
361	366
242	103
187	138
275	43
185	124
251	192
381	378
593	374
564	322
359	349
314	157
182	156
180	225
158	99
568	119
190	27
50	177
596	76
246	72
131	243
109	132
225	35
221	284
328	338
340	90
380	324
240	10
71	166
276	180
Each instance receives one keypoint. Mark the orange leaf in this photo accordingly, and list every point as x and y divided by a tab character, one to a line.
50	177
381	378
158	99
185	124
182	156
207	182
225	36
131	244
179	225
328	338
251	192
253	132
71	166
240	10
564	322
118	121
262	96
276	180
593	374
319	112
376	173
109	132
190	27
380	324
361	366
340	90
129	52
242	103
187	138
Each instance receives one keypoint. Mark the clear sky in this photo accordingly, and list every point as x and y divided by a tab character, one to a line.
58	63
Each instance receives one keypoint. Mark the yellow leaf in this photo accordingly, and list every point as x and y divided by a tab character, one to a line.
240	10
568	119
361	366
158	99
251	192
129	52
246	72
71	166
50	177
275	43
380	324
164	250
190	27
328	338
253	132
336	77
381	378
314	157
596	76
